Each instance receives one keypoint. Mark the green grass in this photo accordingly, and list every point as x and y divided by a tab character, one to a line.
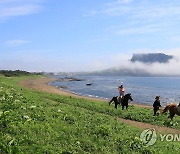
134	113
38	122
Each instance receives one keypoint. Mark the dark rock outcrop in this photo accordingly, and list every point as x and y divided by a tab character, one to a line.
151	58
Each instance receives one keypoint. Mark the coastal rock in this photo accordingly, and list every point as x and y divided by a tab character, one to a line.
151	58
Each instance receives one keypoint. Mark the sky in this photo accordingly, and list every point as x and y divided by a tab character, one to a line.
86	35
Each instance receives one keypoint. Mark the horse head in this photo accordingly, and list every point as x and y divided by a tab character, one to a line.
129	96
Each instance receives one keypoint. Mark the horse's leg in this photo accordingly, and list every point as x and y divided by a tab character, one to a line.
126	106
121	103
116	104
122	107
171	115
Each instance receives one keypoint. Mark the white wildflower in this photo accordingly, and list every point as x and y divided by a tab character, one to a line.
2	98
32	107
22	107
21	97
59	110
26	116
17	101
10	96
6	112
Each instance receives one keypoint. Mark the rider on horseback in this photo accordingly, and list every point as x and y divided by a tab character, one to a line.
121	92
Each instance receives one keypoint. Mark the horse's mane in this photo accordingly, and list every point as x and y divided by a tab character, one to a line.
127	95
173	105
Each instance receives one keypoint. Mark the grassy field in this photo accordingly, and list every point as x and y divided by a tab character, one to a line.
38	122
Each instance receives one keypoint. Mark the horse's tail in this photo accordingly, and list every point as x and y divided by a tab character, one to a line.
166	109
112	100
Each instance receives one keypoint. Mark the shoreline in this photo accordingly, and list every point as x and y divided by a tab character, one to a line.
42	84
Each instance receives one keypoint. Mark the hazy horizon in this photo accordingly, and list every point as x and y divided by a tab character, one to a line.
83	36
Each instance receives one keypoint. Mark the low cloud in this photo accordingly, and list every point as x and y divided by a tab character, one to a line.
125	67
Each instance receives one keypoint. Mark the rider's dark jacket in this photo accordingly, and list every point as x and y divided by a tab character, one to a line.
156	104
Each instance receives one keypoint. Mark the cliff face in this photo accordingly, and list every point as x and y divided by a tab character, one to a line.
151	58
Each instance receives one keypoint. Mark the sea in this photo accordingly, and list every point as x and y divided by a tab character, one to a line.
143	89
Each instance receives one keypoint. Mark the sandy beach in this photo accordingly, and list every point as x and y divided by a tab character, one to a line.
41	84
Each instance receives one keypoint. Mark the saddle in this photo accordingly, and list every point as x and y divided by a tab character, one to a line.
120	99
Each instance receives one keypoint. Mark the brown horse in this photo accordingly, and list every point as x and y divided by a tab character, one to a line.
173	109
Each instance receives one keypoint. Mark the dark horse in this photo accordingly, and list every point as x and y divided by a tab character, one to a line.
124	101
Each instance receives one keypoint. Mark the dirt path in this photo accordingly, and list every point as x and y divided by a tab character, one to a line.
142	125
41	84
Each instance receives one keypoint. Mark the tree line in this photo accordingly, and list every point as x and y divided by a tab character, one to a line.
9	73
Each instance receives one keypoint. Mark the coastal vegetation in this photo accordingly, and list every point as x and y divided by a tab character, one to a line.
9	73
32	121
